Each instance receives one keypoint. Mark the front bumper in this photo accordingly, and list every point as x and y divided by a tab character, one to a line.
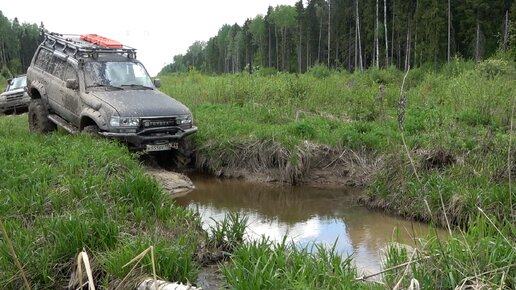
21	103
139	140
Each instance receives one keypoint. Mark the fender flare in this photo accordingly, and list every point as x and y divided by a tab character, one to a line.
40	87
94	115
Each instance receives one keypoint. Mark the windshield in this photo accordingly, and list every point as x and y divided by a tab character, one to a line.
18	83
117	74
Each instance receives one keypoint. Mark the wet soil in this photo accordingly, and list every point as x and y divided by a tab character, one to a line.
177	184
172	181
210	278
308	164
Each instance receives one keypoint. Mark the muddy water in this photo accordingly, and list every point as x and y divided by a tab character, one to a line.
305	215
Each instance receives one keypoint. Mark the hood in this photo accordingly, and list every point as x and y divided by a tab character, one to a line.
141	103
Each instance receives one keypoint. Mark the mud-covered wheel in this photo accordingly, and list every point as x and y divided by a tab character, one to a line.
183	156
38	117
91	130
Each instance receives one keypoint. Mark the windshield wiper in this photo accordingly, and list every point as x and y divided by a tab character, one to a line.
105	86
137	86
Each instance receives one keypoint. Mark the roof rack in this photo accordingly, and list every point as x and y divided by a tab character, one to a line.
79	46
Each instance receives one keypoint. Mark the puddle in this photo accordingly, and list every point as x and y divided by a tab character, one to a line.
305	215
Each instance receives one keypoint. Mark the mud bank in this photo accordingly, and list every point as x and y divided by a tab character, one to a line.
176	184
392	185
306	164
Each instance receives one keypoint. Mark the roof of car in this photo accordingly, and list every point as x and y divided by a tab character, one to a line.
75	46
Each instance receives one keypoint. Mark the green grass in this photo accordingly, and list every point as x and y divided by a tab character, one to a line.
481	258
265	265
60	194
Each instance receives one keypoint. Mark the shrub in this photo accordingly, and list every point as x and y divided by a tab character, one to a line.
320	71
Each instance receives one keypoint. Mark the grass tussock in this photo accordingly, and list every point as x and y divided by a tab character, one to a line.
60	194
481	258
265	265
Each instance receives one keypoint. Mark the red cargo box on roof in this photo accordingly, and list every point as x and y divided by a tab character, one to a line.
102	41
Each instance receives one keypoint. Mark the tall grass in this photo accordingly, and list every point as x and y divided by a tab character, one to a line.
262	264
480	258
60	194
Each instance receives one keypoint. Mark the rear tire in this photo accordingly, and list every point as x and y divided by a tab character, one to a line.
38	118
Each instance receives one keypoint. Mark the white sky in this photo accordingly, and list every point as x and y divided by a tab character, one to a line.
158	29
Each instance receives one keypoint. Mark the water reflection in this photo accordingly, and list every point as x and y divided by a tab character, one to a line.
303	214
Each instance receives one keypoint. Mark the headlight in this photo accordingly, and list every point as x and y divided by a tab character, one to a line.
184	121
124	121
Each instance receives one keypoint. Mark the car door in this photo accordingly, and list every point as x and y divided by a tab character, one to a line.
54	83
70	96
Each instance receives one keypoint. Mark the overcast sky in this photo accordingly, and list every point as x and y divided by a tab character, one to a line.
158	29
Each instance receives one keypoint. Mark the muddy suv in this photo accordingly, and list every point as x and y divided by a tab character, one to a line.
15	98
94	84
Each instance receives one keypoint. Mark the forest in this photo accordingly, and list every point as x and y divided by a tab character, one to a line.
18	42
355	35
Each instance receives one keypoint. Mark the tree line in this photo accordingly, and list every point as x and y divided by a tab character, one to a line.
355	35
18	42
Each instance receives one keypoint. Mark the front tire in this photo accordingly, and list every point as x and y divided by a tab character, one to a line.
183	156
38	118
91	130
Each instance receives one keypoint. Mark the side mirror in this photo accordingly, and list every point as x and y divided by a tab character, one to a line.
72	84
157	83
10	81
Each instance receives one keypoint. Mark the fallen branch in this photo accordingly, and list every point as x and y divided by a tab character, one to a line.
365	277
405	271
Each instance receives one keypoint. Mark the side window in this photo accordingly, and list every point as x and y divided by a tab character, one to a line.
68	72
57	67
43	59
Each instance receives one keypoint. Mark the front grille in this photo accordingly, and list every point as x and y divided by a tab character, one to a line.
157	123
13	97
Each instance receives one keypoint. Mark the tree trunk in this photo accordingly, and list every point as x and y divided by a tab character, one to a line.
320	39
283	32
307	51
415	33
270	47
477	42
376	35
506	31
277	47
392	32
300	50
449	30
350	47
356	44
329	31
337	46
407	52
386	35
261	52
238	57
359	40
